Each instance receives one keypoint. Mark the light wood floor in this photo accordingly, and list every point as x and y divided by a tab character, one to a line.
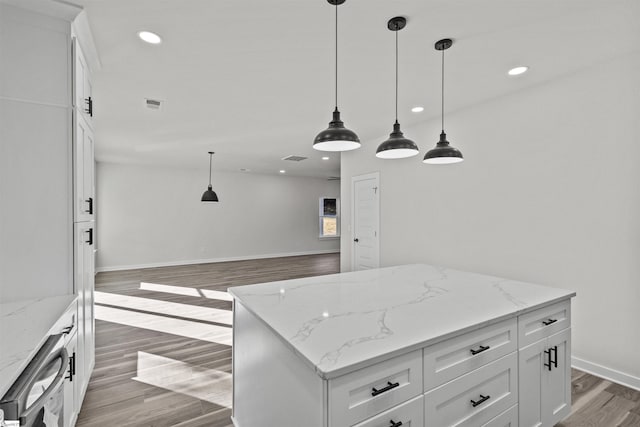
163	348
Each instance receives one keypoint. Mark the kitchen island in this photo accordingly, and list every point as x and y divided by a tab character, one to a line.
414	345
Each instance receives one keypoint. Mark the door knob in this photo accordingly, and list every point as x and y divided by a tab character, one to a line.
356	240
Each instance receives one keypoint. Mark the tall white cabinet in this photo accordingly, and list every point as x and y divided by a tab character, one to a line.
84	206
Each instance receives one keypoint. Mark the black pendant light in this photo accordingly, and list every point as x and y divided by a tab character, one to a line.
209	195
397	146
443	153
336	137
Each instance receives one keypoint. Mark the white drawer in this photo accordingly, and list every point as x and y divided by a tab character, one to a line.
543	322
367	392
409	414
508	418
457	356
492	388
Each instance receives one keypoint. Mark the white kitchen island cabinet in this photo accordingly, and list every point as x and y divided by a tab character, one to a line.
413	345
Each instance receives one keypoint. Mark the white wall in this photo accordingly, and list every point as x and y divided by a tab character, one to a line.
36	251
549	192
153	216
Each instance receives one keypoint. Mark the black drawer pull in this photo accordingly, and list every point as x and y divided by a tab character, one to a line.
483	399
67	329
392	424
72	368
552	361
480	350
90	210
549	322
89	108
390	385
90	241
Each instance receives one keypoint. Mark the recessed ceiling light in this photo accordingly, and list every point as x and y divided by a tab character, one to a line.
517	71
325	158
417	109
149	37
282	171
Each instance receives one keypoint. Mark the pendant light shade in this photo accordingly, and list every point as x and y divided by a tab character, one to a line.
443	153
397	146
209	195
336	137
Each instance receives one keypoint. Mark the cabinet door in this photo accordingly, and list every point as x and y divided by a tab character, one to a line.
84	280
82	88
530	373
83	178
71	406
556	382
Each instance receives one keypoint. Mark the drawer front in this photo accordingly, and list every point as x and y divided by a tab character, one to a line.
508	418
474	398
543	322
367	392
457	356
409	414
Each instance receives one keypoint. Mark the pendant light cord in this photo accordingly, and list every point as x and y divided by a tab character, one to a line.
210	157
336	56
442	106
397	31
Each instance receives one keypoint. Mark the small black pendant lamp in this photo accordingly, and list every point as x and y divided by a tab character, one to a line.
209	195
336	137
443	153
397	146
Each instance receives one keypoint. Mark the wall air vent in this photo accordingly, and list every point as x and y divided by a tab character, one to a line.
333	178
294	158
154	104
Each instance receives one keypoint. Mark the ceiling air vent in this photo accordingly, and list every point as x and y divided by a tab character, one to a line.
294	158
154	104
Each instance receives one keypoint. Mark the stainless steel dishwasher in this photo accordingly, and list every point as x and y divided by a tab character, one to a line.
36	398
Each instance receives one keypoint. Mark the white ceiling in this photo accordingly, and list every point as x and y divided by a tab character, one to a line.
252	80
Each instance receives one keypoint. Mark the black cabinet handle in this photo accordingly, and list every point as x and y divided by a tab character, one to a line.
90	201
392	424
72	367
390	385
552	361
90	241
549	322
67	329
89	108
356	240
483	399
480	350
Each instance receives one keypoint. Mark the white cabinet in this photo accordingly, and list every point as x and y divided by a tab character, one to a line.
82	86
545	380
84	281
83	176
70	413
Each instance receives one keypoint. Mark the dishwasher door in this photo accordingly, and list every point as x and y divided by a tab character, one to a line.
36	398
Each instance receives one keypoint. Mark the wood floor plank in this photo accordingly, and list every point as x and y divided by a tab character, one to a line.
150	378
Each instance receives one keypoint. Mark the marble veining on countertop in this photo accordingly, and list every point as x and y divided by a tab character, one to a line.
340	322
24	326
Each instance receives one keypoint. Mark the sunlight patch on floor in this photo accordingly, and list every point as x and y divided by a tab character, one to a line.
168	325
183	290
195	312
202	383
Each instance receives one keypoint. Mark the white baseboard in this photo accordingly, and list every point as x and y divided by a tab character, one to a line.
606	373
213	260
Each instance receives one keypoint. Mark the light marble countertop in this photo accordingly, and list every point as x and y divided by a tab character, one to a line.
343	322
24	327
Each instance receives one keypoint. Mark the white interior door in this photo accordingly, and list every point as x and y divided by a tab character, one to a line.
366	221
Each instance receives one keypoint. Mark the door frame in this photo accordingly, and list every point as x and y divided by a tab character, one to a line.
354	179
